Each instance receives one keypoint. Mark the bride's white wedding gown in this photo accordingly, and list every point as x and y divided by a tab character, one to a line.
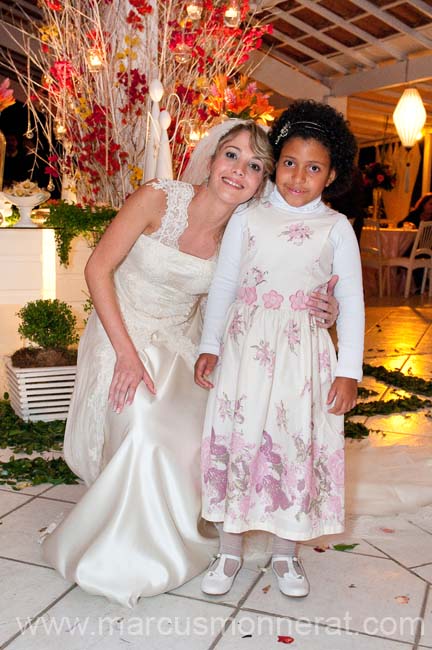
137	531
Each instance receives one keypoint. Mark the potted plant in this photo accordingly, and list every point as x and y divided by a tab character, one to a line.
41	375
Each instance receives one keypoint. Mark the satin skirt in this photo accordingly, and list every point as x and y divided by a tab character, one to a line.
137	531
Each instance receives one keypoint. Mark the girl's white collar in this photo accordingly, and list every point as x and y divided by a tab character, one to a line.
277	200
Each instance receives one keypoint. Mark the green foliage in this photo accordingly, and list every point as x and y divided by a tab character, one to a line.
379	407
34	471
28	437
48	324
88	308
70	221
397	378
344	547
355	430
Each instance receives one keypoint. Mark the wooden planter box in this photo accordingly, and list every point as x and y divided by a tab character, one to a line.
41	393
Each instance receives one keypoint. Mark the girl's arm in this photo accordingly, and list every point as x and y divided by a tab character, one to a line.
349	293
141	212
222	294
350	323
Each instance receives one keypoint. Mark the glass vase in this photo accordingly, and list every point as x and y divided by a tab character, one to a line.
377	202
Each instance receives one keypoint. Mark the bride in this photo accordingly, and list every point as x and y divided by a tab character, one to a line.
134	426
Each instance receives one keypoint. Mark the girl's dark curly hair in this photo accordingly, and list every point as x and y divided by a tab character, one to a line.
308	119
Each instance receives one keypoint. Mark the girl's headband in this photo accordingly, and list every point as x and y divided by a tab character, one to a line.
289	126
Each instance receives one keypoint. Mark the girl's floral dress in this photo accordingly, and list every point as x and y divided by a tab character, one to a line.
272	455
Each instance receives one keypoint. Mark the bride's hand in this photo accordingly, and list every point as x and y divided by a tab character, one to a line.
324	306
129	371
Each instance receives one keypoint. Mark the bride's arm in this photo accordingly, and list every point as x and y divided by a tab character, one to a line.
141	213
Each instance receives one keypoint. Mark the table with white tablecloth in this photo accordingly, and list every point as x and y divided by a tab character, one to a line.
395	242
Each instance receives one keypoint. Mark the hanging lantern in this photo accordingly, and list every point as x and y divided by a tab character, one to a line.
45	81
182	53
59	130
94	59
192	133
409	117
194	9
232	14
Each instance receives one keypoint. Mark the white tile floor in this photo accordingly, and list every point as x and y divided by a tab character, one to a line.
375	597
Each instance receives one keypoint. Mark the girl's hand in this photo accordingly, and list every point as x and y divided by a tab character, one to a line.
203	368
129	371
343	392
324	306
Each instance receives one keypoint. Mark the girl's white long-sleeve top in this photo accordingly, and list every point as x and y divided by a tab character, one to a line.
348	291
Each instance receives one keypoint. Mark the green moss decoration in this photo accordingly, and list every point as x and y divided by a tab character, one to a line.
397	378
21	472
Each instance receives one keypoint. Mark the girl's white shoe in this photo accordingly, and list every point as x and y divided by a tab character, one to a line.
294	582
216	582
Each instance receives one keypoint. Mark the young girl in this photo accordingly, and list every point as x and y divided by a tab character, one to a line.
272	453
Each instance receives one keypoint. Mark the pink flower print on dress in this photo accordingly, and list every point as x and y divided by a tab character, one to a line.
267	449
281	417
265	356
297	233
336	467
263	468
244	505
216	475
236	327
307	388
251	240
272	300
248	295
259	276
231	409
335	506
292	332
258	469
278	497
289	477
324	363
299	300
238	444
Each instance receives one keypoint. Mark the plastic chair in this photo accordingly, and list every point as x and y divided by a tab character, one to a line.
371	256
422	247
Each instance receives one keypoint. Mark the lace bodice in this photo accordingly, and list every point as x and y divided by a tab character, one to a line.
175	220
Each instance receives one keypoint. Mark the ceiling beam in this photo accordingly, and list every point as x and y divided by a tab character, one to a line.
284	80
419	4
393	22
418	69
295	65
313	54
349	27
321	36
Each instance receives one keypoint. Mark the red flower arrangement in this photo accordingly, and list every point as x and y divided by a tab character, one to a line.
379	175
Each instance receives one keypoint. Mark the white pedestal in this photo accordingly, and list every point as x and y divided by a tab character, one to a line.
30	270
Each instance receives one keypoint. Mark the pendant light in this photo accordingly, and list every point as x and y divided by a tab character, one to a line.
409	117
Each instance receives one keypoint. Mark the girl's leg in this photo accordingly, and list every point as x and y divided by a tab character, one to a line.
230	544
220	577
283	547
289	570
